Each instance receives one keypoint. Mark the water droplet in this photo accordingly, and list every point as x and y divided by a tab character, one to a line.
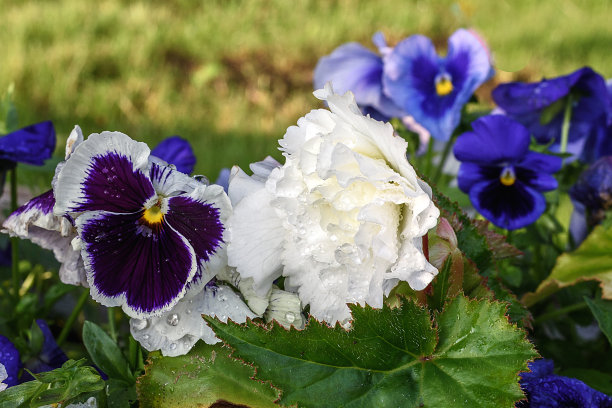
188	311
145	337
140	324
290	317
173	319
173	346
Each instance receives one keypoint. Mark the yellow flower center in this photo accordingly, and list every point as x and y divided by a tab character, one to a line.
444	86
507	176
153	215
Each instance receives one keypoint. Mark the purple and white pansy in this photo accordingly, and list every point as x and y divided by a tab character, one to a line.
146	231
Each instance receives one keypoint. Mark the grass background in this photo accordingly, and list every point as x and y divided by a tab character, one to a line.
231	76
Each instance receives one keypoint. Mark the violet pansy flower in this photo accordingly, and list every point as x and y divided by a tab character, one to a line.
540	106
544	389
177	151
146	230
353	67
431	88
9	358
503	178
32	144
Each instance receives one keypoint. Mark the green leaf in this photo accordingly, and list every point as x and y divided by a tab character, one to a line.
391	357
120	393
105	353
67	382
591	261
199	379
602	310
36	338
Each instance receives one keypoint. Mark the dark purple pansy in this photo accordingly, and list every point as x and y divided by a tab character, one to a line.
503	178
540	106
9	358
147	231
33	144
177	151
544	389
431	88
592	197
353	67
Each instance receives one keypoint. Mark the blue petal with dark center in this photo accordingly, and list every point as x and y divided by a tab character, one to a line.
113	185
352	67
495	139
125	257
198	222
544	389
177	151
9	358
540	106
509	207
410	73
33	144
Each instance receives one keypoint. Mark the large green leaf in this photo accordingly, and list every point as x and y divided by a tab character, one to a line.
391	357
591	261
105	353
199	379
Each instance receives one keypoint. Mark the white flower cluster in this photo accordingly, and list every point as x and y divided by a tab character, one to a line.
342	220
3	376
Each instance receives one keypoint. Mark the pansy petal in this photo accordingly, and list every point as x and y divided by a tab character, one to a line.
176	151
495	139
509	207
106	172
199	218
131	265
468	62
33	144
352	67
9	358
169	182
470	174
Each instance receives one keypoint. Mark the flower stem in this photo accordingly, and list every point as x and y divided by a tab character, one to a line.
567	117
135	353
443	158
112	330
75	312
15	240
559	312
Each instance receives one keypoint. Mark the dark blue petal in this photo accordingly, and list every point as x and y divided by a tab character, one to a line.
509	207
496	139
9	358
352	67
410	73
50	356
33	144
598	143
594	186
527	103
112	184
470	174
149	267
547	390
177	151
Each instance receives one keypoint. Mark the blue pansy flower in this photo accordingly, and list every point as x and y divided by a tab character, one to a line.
431	88
599	141
49	357
146	230
540	106
544	389
177	151
503	178
353	67
32	145
592	197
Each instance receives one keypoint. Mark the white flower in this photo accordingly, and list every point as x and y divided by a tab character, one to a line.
342	219
3	376
176	331
286	308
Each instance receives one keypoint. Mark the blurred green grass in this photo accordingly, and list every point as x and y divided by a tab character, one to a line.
231	76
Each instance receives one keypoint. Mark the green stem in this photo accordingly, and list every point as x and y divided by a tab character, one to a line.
112	330
443	158
428	158
567	117
560	312
75	313
134	350
15	240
